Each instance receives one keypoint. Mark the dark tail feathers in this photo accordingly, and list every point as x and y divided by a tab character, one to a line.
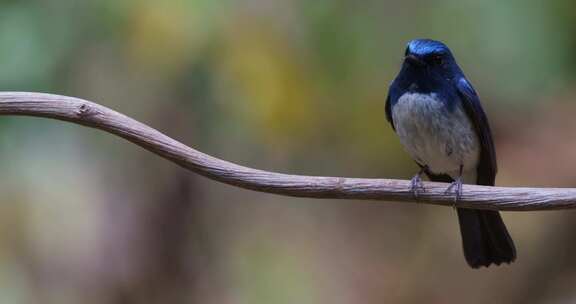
485	238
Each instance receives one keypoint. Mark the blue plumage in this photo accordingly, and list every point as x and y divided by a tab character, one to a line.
440	122
426	46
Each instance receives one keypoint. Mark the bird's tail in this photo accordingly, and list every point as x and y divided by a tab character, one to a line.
485	238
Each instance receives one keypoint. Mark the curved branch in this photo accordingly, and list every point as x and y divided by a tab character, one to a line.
92	115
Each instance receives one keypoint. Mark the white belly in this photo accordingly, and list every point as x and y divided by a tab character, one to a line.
435	136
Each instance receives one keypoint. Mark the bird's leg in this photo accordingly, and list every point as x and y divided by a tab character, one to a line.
456	186
416	184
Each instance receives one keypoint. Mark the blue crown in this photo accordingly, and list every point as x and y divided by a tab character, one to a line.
426	46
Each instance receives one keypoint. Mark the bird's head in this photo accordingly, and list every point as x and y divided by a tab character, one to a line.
427	54
428	65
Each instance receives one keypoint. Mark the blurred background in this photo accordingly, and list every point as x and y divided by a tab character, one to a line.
291	86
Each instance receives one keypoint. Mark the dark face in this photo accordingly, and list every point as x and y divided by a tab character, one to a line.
434	62
428	65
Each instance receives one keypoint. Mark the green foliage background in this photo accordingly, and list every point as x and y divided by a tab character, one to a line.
285	85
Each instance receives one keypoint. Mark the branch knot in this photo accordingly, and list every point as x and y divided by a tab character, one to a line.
86	111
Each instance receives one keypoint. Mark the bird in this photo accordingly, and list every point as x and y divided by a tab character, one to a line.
441	124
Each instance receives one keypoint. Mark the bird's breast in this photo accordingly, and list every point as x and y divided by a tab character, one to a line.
441	137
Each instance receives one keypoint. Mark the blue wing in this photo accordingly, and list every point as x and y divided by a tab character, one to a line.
487	164
393	95
389	112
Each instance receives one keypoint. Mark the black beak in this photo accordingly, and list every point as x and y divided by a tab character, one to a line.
414	61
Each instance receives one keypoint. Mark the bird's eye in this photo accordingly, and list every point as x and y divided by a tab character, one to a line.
437	60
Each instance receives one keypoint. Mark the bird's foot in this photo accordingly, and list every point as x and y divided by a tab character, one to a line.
456	189
416	185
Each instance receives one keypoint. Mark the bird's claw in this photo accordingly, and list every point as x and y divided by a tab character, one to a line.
456	189
416	185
